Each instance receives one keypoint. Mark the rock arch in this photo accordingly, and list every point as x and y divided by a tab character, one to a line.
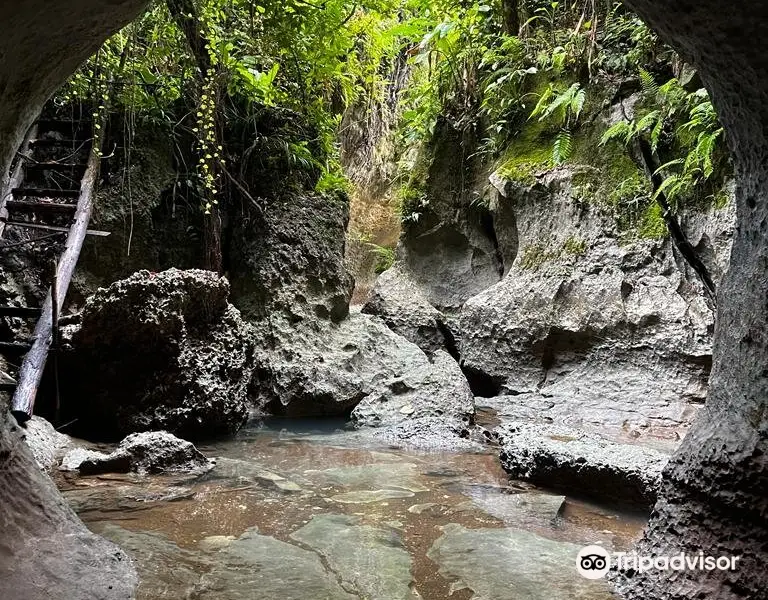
715	494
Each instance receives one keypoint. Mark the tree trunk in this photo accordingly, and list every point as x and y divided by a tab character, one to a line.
510	14
213	255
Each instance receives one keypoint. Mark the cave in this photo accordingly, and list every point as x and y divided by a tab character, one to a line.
715	489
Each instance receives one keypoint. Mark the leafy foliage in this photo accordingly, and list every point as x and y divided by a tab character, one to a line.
692	147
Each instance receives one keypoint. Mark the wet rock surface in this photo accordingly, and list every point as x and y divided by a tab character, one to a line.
569	459
148	452
160	351
371	561
502	564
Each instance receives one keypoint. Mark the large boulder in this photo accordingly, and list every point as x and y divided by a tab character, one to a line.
148	452
360	364
401	304
160	351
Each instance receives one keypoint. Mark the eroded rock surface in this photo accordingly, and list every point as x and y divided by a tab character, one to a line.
401	304
44	546
290	259
591	324
161	351
569	459
361	364
47	444
148	452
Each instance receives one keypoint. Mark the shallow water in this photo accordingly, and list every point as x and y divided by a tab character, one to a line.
307	511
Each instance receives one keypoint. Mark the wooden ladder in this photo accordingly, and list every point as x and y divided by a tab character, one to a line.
52	188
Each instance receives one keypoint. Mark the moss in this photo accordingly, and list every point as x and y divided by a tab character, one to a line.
529	152
721	199
652	225
574	246
535	255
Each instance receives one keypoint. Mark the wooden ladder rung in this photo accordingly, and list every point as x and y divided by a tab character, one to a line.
70	143
54	166
44	125
44	193
94	232
23	206
25	312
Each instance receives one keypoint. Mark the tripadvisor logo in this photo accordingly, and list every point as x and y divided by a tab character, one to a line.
593	562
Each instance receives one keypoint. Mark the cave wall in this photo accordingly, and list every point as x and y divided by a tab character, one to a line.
715	491
44	546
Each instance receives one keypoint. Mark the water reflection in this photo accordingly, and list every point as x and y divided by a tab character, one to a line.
288	504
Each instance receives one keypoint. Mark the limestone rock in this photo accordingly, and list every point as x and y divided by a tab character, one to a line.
401	304
45	546
361	364
591	323
46	443
148	452
569	459
290	259
370	560
160	351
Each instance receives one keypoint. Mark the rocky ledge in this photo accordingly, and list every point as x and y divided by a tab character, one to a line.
144	453
571	460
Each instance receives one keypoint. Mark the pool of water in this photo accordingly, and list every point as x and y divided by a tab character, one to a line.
306	510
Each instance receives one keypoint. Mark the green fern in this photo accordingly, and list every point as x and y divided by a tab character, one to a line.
563	147
648	83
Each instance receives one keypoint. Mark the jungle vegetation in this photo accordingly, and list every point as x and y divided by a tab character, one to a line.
259	86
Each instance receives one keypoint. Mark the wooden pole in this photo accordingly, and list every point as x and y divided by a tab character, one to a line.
16	177
32	367
55	336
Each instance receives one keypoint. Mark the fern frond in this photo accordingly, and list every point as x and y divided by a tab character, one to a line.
563	147
577	104
621	131
543	103
648	83
561	101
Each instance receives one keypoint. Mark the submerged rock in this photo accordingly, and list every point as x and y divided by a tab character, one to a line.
572	460
149	452
372	561
260	566
160	351
507	564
